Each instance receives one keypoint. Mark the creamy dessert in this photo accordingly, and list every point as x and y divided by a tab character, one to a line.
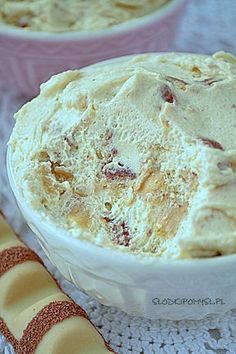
73	15
137	154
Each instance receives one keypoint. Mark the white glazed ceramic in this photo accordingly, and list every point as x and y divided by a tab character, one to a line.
143	286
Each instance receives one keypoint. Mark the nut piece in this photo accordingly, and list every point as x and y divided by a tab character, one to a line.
167	95
118	173
80	216
178	82
62	175
49	185
120	232
149	182
168	212
211	143
169	219
210	81
196	70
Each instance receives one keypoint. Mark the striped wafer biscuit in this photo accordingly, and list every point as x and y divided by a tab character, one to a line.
36	316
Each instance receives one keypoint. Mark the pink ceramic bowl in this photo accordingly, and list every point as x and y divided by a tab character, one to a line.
29	58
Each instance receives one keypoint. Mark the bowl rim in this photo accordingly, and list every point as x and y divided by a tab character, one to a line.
166	10
109	253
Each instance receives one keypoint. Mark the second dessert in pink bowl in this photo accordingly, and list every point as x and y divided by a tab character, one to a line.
37	41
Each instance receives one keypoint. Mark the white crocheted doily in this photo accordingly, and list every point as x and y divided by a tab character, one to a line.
208	26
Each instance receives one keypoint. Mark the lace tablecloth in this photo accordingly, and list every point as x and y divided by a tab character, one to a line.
208	26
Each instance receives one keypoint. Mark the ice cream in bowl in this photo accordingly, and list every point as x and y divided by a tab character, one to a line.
66	16
126	172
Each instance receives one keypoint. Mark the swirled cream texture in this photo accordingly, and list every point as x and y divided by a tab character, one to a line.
138	154
73	15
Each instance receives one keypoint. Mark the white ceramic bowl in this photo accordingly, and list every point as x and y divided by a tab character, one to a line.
143	286
28	58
